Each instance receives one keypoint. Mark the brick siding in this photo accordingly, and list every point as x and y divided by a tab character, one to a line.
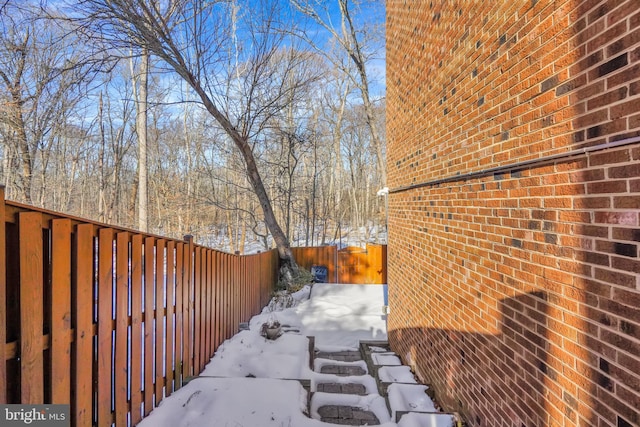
514	207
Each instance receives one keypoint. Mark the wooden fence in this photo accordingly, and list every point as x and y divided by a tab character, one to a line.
109	319
347	265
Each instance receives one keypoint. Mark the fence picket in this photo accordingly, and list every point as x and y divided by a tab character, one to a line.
216	301
208	322
82	315
105	325
228	277
243	287
136	328
60	322
31	308
197	309
121	367
187	307
170	327
203	308
186	320
149	251
178	330
159	324
236	295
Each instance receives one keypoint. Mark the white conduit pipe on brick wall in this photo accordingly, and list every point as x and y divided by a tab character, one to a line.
521	165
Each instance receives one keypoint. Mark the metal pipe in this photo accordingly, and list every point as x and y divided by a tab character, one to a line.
519	165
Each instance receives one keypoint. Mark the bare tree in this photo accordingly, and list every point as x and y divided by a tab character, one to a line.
347	37
140	92
14	62
192	38
41	80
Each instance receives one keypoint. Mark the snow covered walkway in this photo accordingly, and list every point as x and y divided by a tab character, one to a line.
312	375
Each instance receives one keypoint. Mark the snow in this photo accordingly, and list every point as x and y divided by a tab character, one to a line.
396	374
427	420
340	316
253	382
233	402
385	359
285	357
359	237
409	397
373	402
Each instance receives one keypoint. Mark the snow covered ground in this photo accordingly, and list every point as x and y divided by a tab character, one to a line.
250	381
348	237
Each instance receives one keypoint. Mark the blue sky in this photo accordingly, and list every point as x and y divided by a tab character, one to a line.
366	14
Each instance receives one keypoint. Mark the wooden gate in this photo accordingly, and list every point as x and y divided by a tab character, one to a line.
362	266
348	265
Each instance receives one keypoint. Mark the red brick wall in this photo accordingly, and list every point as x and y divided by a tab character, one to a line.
514	176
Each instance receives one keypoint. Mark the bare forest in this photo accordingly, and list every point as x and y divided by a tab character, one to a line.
248	124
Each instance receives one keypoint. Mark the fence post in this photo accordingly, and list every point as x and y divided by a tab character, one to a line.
3	300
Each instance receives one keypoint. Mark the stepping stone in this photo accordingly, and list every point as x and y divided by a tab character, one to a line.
389	358
342	356
342	370
351	388
396	374
347	415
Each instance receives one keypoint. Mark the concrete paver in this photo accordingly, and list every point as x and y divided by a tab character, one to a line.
342	356
347	415
342	370
350	388
340	414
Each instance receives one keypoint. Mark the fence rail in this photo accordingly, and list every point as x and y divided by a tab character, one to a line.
110	319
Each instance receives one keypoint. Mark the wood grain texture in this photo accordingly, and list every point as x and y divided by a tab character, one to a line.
149	278
105	324
31	308
179	316
159	326
60	322
137	266
82	374
121	365
197	337
170	325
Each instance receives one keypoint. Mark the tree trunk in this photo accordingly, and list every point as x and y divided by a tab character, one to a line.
289	269
27	162
101	176
354	50
141	99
